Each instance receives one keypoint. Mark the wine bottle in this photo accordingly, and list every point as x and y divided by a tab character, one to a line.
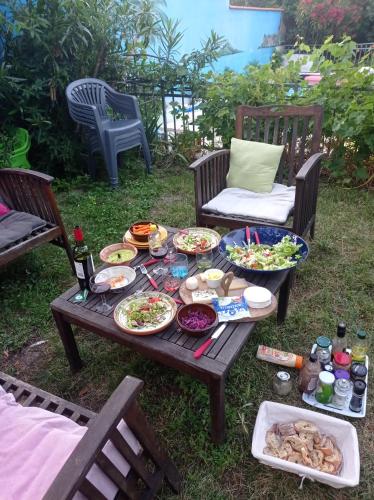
84	266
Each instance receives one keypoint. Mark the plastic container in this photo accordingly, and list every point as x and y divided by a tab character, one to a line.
18	158
325	388
342	361
279	357
345	434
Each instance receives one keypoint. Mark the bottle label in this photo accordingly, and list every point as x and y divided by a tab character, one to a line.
79	269
312	384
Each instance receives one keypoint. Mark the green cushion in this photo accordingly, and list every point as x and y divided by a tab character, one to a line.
253	165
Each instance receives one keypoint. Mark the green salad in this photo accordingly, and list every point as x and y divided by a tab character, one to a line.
146	313
282	255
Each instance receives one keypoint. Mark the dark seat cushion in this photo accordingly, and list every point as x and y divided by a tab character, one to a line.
15	226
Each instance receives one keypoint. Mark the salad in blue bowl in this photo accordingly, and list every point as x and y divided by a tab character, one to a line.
263	249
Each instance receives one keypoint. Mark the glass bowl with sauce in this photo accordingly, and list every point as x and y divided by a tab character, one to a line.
118	254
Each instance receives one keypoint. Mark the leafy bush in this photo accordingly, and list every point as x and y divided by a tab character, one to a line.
49	44
346	92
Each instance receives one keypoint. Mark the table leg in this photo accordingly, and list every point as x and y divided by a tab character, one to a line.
217	409
67	337
284	295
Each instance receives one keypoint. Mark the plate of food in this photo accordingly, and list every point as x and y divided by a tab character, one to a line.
274	249
141	245
196	239
117	277
146	313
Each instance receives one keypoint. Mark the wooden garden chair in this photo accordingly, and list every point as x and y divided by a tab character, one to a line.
31	192
299	128
148	469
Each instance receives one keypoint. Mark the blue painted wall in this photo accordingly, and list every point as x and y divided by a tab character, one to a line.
244	29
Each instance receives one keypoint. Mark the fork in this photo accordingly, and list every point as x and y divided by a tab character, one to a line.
143	270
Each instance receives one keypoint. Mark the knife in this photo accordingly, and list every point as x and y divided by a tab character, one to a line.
148	263
199	352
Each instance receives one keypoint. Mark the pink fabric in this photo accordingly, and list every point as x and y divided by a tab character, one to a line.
34	445
3	209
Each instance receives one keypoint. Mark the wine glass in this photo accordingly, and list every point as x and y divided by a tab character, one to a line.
204	260
100	288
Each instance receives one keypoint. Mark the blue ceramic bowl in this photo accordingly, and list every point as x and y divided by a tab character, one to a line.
268	236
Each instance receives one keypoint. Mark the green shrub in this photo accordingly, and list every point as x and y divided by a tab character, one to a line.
346	92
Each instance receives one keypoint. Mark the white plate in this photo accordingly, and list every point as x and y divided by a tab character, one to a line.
114	273
121	317
214	239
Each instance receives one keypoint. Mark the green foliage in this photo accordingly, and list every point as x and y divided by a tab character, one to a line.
49	44
258	85
346	92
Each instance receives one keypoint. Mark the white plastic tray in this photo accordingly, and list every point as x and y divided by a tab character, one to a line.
311	400
344	433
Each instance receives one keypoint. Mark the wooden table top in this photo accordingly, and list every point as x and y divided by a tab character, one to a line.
170	347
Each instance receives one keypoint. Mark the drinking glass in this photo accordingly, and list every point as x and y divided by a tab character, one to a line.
171	283
204	260
100	288
179	267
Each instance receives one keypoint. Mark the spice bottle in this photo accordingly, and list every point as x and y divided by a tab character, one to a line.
359	347
342	361
358	371
279	357
282	384
325	388
342	388
339	342
323	350
356	402
308	377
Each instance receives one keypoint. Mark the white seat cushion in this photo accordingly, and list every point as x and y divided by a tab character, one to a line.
270	207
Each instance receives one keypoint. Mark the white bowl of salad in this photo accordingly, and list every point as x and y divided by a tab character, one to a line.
272	250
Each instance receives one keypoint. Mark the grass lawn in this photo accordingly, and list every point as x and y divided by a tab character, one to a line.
337	282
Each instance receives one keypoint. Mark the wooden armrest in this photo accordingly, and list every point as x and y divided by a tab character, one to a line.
80	461
204	160
30	174
308	166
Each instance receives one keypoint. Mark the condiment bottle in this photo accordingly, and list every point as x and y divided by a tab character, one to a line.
356	402
342	361
342	388
323	350
325	388
308	377
282	384
342	374
359	347
358	371
339	342
279	357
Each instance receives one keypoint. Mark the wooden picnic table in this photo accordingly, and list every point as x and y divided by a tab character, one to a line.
170	347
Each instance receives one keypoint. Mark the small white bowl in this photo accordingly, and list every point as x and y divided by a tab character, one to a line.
113	275
257	297
213	277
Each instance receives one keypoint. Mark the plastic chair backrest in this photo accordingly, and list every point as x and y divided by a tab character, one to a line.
84	96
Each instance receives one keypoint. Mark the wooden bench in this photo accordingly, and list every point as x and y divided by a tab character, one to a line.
31	192
148	470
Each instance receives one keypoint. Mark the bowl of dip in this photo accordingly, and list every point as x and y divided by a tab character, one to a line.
213	277
119	254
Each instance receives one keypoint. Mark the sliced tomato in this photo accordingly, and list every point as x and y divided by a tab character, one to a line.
152	300
203	243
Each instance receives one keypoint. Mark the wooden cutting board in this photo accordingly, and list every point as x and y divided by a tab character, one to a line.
237	287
